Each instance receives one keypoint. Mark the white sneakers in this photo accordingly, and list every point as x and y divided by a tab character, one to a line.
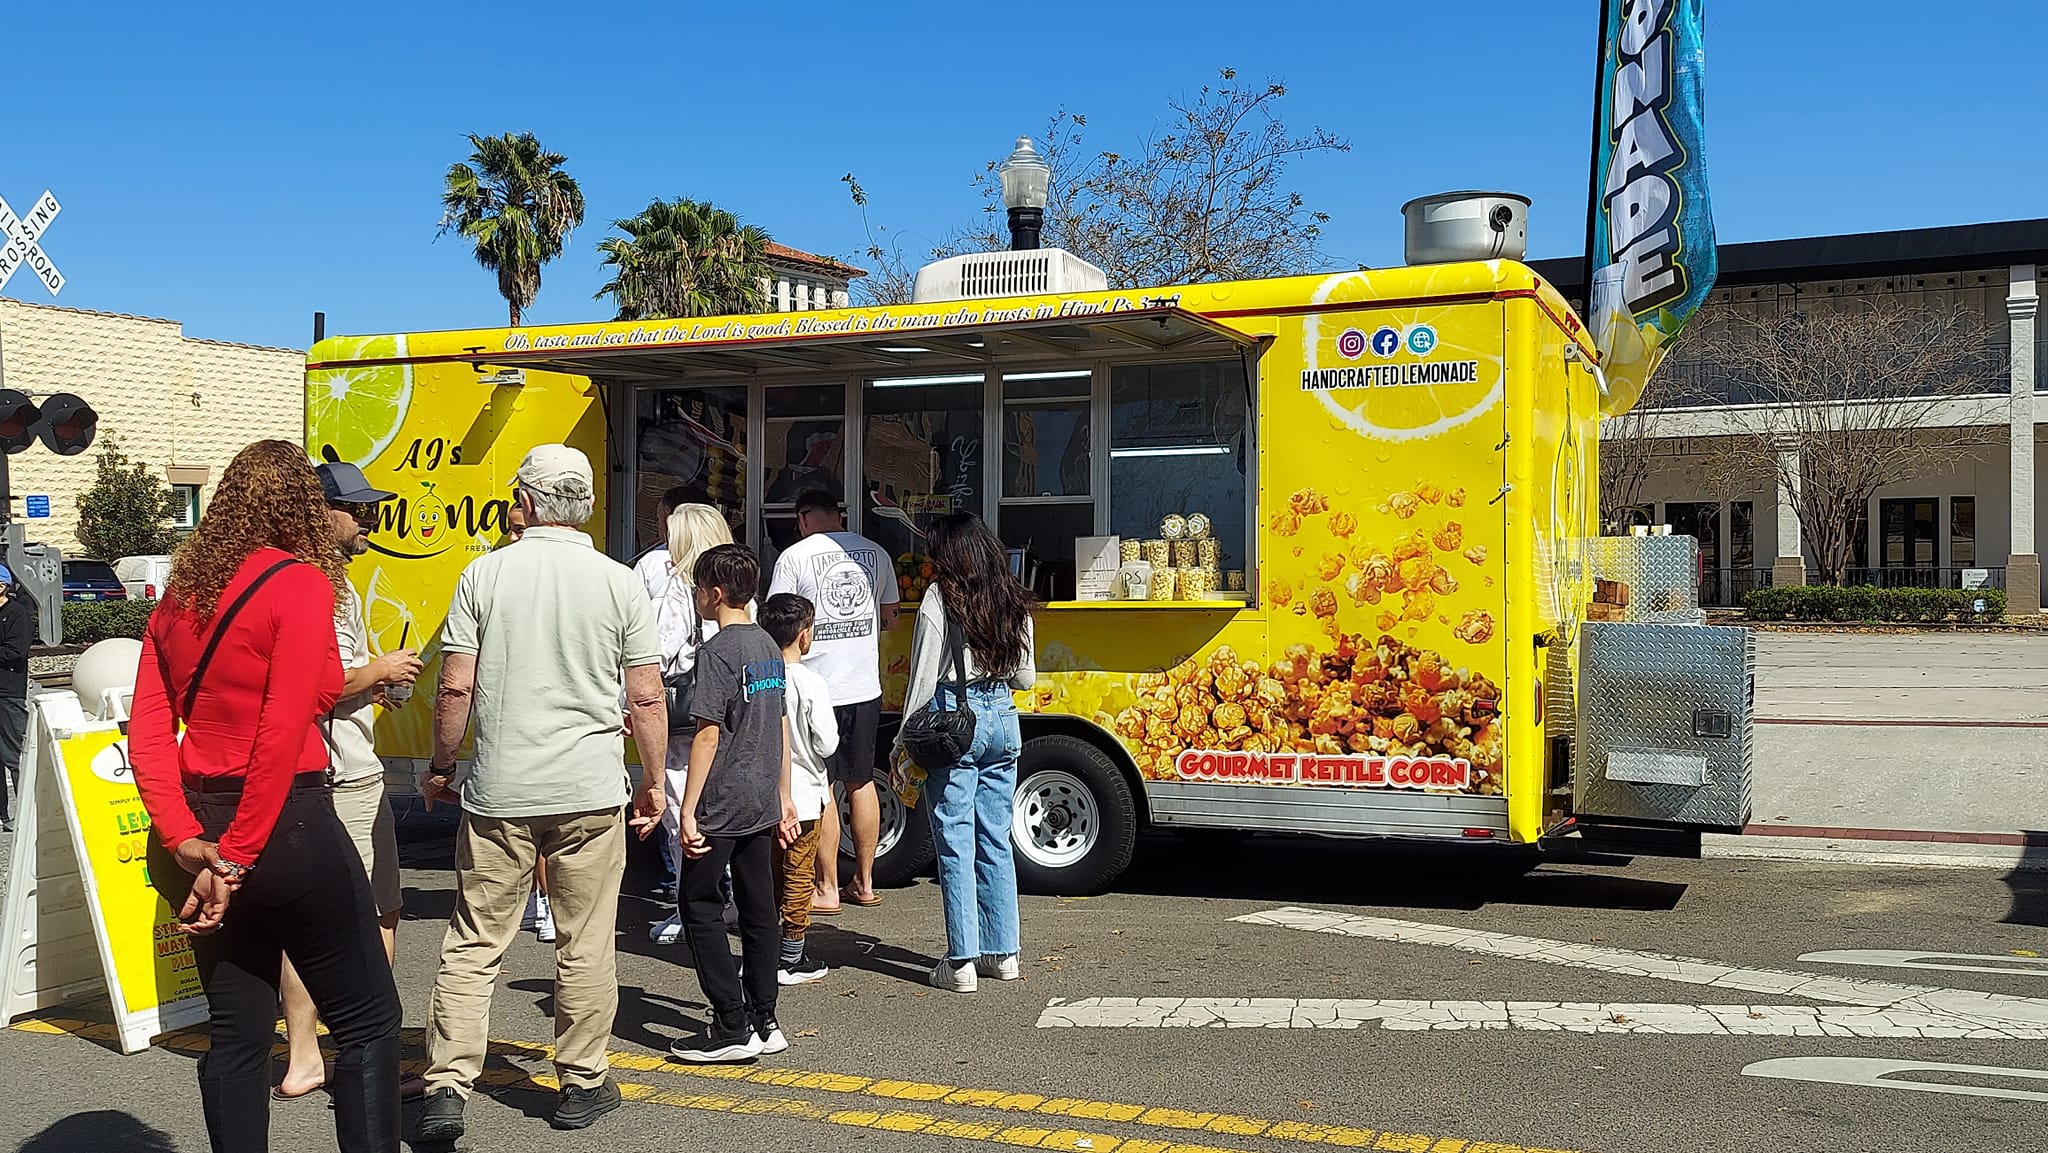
953	977
539	919
962	977
998	968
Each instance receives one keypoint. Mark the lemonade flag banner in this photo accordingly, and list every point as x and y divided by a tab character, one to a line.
101	877
1651	229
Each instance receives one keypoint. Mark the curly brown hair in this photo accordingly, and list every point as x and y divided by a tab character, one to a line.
269	497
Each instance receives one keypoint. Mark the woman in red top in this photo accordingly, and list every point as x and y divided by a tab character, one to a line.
242	652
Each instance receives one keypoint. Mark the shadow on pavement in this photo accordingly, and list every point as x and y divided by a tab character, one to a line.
100	1129
1301	870
2029	883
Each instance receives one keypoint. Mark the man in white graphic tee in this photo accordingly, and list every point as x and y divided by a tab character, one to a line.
852	586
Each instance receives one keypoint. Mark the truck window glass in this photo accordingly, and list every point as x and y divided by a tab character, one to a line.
1177	446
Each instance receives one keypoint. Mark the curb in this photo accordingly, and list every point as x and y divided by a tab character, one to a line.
1869	851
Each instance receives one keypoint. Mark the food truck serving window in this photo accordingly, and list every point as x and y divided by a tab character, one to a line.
1078	451
1178	446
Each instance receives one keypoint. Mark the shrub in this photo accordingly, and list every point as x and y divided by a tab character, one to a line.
1862	603
89	622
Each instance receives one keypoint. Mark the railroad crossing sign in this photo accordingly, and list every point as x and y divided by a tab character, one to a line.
19	242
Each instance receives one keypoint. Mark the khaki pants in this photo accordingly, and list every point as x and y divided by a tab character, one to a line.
494	861
796	875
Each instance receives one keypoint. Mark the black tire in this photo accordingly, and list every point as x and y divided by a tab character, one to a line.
1086	769
911	856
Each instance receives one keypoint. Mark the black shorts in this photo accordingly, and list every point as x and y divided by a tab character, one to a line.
853	763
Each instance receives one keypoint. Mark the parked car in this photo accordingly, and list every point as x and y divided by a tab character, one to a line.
91	580
144	576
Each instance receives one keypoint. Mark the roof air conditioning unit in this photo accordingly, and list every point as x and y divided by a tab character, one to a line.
1030	272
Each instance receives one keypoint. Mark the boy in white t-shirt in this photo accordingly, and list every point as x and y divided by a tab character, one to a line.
814	735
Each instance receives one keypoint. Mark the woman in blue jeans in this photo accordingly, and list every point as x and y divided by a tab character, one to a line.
970	801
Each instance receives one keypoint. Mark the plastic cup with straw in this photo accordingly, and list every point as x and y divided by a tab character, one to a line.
400	692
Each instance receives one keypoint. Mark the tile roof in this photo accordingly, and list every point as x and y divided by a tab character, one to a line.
784	254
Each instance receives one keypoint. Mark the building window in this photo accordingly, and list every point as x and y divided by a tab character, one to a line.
1962	532
186	515
1908	527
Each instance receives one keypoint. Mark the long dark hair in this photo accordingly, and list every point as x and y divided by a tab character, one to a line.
992	606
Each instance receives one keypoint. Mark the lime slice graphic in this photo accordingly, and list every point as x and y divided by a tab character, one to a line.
357	409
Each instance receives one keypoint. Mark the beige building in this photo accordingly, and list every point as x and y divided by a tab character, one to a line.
182	406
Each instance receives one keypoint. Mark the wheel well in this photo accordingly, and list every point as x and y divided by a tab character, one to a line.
1053	724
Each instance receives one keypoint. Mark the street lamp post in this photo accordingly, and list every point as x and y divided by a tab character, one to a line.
1025	177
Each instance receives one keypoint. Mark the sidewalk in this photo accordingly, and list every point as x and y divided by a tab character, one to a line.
1920	748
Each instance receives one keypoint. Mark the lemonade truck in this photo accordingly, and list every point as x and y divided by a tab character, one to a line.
1315	552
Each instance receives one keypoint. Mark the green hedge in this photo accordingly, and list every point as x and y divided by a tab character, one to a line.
88	622
1829	603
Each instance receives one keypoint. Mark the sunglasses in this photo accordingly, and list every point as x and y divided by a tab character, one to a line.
364	511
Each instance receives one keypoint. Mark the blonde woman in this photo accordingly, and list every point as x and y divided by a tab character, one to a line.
693	530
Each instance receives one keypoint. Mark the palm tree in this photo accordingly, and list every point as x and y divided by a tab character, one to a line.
516	204
684	258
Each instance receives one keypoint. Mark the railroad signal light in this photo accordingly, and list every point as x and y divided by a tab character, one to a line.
18	419
68	425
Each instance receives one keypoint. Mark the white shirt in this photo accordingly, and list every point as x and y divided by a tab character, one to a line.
847	578
352	727
813	737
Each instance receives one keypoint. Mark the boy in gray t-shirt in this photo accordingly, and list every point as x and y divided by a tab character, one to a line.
736	808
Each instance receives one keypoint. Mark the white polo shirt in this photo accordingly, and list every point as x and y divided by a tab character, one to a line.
553	624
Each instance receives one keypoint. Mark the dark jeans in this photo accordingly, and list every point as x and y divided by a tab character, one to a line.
306	899
703	906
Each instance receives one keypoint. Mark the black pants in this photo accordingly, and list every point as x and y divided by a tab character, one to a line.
13	731
306	899
703	907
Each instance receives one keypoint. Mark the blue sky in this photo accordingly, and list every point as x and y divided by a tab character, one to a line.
238	166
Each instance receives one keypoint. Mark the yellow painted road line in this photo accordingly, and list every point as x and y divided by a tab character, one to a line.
903	1121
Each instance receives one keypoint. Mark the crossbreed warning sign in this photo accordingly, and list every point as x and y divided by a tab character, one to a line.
1372	772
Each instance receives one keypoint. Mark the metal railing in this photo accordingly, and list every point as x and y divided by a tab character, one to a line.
1725	588
1924	577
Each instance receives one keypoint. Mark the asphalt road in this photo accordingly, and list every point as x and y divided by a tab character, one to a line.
884	1063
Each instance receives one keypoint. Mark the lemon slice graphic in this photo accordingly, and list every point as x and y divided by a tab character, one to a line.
1399	413
356	409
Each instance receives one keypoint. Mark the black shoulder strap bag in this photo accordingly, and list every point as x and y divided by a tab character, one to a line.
938	738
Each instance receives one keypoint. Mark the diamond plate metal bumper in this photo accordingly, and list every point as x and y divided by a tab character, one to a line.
1665	723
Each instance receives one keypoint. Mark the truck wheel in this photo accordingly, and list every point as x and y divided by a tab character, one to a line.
1074	823
903	850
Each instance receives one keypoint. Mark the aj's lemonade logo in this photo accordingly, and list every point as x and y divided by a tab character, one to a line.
421	524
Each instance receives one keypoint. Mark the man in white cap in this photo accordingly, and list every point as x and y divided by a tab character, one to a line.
539	643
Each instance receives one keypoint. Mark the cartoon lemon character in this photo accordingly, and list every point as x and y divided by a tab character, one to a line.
430	521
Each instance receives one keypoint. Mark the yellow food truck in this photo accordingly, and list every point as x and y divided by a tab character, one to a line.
1356	506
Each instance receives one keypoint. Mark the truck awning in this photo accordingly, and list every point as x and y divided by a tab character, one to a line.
1168	331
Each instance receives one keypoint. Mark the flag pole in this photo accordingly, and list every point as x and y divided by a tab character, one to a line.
1593	157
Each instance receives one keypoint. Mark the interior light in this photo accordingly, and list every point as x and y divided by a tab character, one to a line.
1173	450
904	348
1065	374
914	381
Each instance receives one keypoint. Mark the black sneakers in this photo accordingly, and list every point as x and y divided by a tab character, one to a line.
441	1118
579	1106
717	1046
769	1034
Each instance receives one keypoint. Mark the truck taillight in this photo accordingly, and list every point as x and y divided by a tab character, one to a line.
1480	834
148	592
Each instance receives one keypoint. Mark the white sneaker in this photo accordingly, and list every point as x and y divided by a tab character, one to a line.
803	972
535	903
544	928
772	1040
953	978
667	932
998	968
713	1050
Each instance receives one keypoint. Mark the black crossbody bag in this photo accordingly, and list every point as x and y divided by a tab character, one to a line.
220	629
938	738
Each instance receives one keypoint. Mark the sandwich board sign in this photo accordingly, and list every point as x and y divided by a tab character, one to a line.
80	914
